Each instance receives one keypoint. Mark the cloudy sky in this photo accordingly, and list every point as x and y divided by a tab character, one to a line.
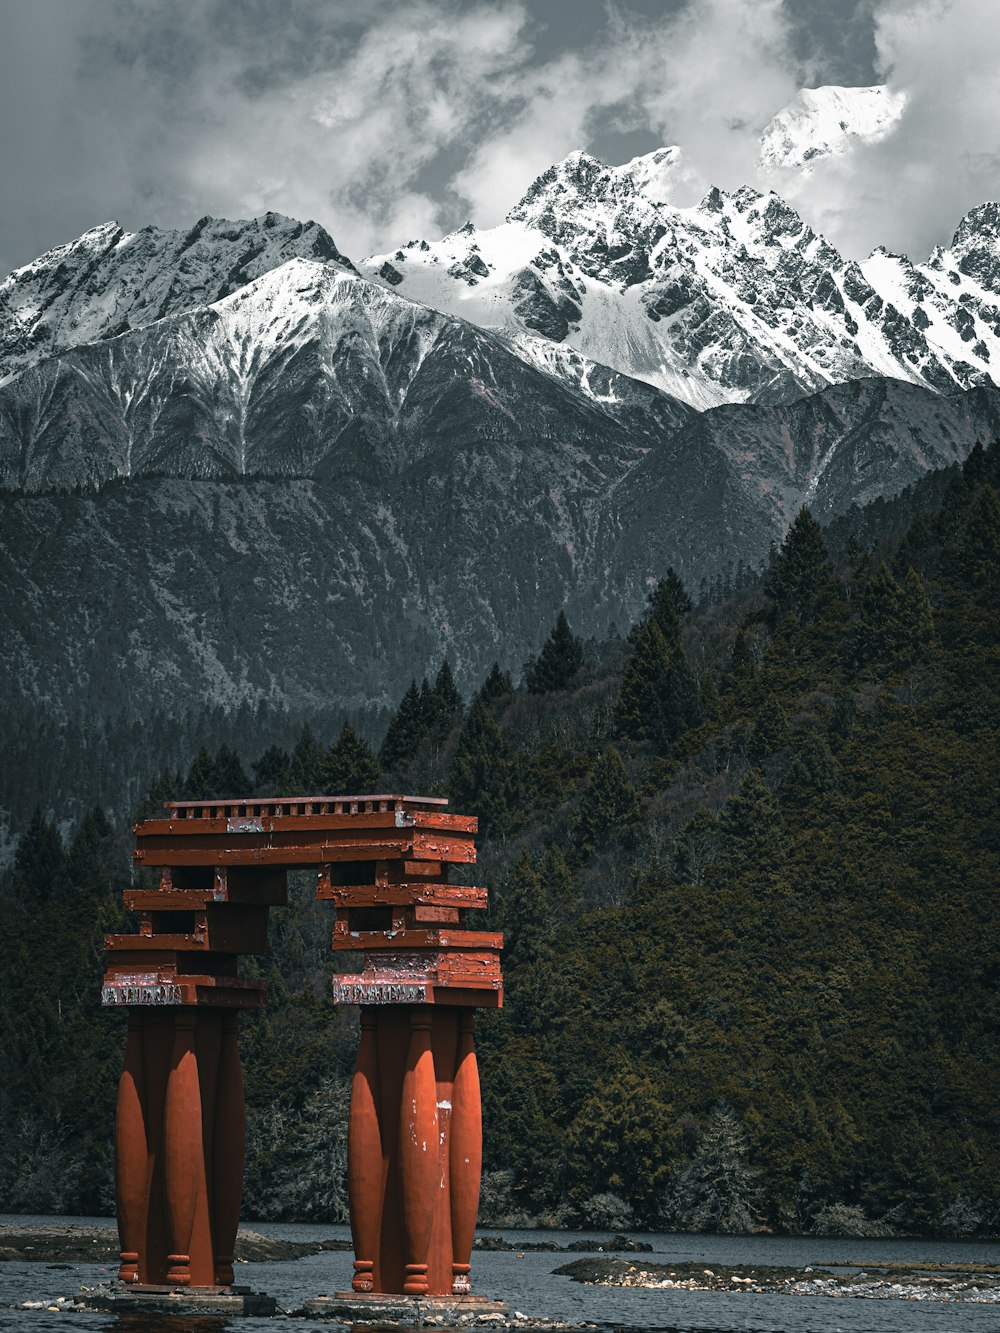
392	119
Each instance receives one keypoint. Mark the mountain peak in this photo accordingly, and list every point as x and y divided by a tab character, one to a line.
826	122
108	280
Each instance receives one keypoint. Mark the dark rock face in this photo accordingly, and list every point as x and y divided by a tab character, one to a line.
292	483
109	281
424	490
742	300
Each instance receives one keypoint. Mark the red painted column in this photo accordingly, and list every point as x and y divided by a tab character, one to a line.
466	1154
228	1148
418	1150
131	1154
182	1147
365	1174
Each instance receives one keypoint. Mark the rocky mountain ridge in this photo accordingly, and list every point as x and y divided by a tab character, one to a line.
734	300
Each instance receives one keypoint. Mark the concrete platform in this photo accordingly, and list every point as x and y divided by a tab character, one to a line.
121	1299
405	1310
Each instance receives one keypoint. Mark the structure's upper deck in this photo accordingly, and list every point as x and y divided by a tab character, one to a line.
306	830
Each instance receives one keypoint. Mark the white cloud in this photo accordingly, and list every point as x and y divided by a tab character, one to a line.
708	79
908	191
390	120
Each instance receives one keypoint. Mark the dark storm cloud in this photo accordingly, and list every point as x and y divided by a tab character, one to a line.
385	120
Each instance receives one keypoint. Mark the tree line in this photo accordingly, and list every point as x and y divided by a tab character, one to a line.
745	862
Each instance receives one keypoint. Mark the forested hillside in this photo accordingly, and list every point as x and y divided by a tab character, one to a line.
746	864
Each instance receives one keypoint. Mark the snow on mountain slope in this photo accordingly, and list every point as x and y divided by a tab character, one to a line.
109	280
734	300
826	122
307	370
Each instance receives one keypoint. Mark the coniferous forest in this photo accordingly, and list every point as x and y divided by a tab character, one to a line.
745	858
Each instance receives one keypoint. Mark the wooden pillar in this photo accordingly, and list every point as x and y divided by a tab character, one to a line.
182	1136
466	1153
131	1154
365	1174
228	1148
418	1150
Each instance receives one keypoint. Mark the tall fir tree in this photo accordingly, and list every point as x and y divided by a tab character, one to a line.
485	777
350	768
272	772
559	661
610	809
306	766
407	728
497	690
799	569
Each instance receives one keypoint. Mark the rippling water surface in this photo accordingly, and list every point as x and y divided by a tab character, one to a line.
526	1282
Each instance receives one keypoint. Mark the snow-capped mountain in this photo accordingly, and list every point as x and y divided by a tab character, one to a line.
225	447
733	300
109	281
827	122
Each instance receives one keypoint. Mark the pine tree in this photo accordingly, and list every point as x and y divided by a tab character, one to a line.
669	605
658	700
610	808
350	768
892	625
677	706
719	1190
229	777
448	698
485	778
752	828
497	690
637	702
271	772
306	765
558	662
407	728
770	731
978	545
799	570
201	774
40	860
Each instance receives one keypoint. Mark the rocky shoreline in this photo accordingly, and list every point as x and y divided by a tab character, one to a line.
979	1283
79	1244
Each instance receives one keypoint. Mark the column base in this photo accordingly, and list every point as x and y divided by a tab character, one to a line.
380	1308
136	1299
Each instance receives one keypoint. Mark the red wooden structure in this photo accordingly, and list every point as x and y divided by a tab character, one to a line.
415	1130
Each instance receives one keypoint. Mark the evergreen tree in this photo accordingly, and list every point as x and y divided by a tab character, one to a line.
892	625
677	707
40	860
497	690
229	776
719	1190
770	731
658	700
610	808
306	766
799	570
271	772
407	728
199	781
558	662
637	702
752	829
978	545
668	605
449	701
485	777
350	768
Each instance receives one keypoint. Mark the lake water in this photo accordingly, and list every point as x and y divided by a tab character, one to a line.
526	1282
